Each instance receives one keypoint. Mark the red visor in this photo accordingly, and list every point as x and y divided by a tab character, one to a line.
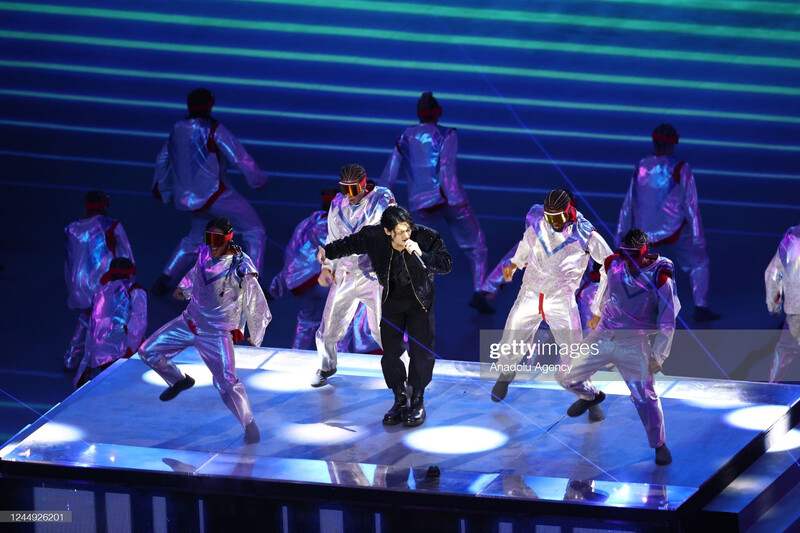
428	113
216	239
353	189
633	252
202	107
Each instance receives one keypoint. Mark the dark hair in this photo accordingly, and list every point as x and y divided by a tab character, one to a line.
427	102
200	101
221	223
635	238
394	215
352	173
664	130
557	200
98	198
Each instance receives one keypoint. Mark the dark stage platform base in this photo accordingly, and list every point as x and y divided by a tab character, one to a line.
327	463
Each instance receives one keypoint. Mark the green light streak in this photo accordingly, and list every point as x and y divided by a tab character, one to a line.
774	8
431	38
404	64
396	93
385	151
540	17
353	119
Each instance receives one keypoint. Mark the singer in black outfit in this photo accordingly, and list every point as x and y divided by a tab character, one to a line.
405	257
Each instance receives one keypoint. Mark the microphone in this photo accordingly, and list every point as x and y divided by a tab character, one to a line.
418	256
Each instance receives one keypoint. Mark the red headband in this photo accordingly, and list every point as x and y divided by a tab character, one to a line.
114	271
671	139
202	107
95	206
427	113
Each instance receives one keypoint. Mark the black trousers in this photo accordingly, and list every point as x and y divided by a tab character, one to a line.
402	312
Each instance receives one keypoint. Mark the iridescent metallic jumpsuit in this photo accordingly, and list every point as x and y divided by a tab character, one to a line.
117	326
554	262
782	279
638	323
355	281
191	172
662	201
91	245
299	276
224	296
426	155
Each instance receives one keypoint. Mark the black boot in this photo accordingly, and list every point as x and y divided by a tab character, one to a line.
416	414
500	389
399	409
171	393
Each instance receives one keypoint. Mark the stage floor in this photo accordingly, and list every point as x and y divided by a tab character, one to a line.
523	448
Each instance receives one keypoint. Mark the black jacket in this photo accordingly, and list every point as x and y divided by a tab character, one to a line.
374	242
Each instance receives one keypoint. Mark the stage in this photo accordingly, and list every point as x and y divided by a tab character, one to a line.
113	452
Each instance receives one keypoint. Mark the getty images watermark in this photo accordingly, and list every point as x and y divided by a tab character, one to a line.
541	356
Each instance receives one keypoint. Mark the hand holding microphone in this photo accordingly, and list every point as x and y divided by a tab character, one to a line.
413	248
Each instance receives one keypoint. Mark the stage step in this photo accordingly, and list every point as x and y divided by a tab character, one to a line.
755	495
783	516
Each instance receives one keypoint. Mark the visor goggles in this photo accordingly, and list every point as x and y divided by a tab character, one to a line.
556	218
353	189
633	252
216	239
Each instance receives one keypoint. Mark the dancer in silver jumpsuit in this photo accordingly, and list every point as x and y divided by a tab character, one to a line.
662	201
782	280
300	276
224	296
425	154
554	252
191	173
118	320
640	305
352	279
91	244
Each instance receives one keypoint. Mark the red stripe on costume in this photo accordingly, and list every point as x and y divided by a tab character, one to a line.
541	306
610	259
111	239
663	276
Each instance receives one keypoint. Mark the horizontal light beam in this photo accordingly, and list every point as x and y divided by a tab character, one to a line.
391	35
383	121
397	93
385	63
542	17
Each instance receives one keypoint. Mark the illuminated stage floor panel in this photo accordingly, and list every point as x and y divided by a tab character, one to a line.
491	455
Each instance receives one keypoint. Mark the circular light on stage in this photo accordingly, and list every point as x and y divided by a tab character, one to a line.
273	380
709	402
759	418
55	432
455	439
200	374
789	441
322	434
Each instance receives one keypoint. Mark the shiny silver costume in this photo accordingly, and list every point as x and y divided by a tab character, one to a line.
299	276
638	323
494	280
194	179
91	244
663	203
782	280
117	325
554	263
426	154
224	296
355	281
586	294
